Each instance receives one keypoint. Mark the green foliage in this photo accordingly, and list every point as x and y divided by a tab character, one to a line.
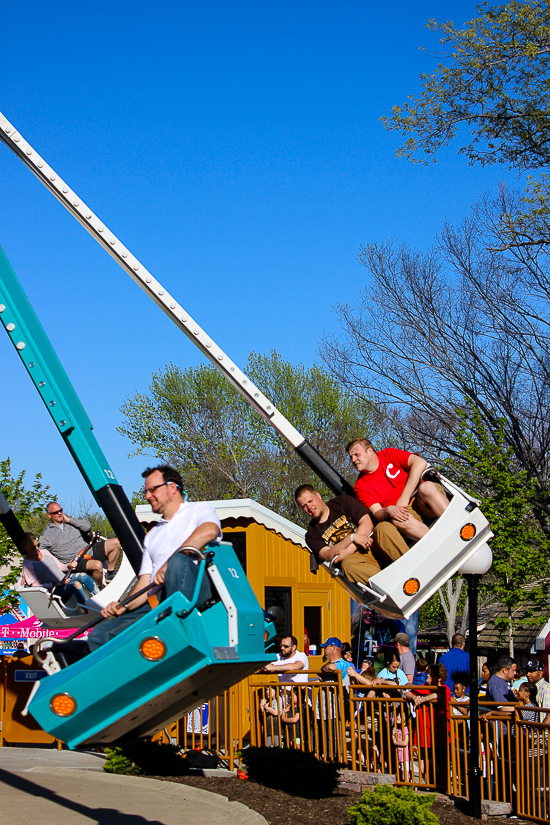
509	500
195	420
145	757
496	85
118	762
291	770
28	504
387	805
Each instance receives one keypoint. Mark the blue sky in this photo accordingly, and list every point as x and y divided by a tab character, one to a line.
236	150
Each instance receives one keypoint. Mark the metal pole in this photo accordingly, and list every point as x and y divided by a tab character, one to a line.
474	771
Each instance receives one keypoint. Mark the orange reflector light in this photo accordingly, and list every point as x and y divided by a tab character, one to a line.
62	704
153	649
468	532
411	587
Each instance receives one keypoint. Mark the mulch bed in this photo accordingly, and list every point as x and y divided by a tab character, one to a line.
280	808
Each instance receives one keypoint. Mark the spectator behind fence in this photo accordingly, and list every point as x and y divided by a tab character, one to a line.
519	680
346	652
391	673
460	684
290	658
406	659
333	653
498	687
488	669
456	660
437	675
535	674
421	671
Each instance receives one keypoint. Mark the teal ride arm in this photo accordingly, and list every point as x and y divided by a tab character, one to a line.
197	658
50	379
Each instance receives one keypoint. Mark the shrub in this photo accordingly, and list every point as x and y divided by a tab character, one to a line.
386	805
145	757
293	771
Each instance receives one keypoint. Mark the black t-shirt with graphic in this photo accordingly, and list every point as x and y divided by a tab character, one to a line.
345	513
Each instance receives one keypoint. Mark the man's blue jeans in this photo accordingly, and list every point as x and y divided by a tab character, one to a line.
181	575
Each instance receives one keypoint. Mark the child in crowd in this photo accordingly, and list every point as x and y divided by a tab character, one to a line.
391	673
527	695
520	679
346	652
421	671
460	685
400	738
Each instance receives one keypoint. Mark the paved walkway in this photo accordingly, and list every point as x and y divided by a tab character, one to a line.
49	787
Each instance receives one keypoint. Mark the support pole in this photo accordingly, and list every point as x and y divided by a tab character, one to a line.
474	771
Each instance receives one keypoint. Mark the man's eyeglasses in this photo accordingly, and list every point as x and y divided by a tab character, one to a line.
285	646
152	489
55	512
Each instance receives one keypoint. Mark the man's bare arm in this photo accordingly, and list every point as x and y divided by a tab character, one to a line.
113	609
346	547
278	667
204	534
417	465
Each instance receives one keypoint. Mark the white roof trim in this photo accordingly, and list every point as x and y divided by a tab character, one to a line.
248	508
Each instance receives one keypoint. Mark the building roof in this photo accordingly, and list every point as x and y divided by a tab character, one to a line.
248	508
527	626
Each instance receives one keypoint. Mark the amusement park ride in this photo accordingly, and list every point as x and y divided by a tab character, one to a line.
177	657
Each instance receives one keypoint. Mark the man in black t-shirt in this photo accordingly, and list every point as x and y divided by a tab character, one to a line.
343	527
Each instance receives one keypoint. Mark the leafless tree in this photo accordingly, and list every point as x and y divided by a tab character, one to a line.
466	320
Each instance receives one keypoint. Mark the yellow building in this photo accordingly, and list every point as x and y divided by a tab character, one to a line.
275	558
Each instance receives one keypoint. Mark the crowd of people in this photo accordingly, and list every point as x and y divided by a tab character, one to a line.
414	702
393	507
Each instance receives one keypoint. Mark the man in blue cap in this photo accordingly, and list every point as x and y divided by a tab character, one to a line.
333	654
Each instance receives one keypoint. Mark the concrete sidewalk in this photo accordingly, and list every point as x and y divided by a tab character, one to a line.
50	786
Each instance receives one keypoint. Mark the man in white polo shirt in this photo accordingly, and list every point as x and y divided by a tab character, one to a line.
289	659
193	524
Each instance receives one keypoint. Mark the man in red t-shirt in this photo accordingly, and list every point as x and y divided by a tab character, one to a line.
387	483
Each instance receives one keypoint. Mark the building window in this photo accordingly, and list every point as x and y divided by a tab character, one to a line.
312	623
278	602
238	540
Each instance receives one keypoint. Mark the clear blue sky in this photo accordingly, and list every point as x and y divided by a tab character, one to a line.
236	149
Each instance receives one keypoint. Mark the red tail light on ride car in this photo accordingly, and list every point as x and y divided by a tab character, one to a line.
468	532
153	649
62	704
411	587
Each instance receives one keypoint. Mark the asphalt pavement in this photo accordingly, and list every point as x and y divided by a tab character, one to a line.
49	787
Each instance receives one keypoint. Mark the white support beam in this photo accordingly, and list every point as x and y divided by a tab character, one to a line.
150	285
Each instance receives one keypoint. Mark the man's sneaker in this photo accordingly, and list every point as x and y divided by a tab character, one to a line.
109	575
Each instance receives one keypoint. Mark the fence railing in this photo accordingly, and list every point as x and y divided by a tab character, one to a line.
381	731
366	730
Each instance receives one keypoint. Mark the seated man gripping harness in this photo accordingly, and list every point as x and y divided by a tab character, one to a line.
390	485
342	527
183	523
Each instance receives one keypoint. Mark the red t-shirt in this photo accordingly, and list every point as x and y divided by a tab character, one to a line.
385	484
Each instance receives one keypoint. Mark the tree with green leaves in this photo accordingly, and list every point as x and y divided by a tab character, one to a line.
493	83
494	80
195	420
28	504
521	551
